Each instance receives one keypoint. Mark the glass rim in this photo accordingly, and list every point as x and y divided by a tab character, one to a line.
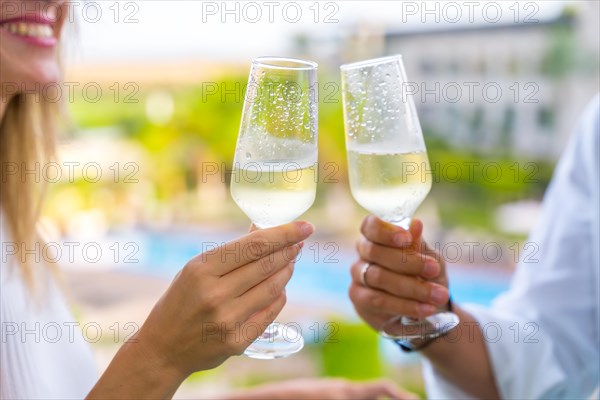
271	62
371	62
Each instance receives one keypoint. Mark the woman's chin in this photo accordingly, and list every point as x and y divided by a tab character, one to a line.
38	76
50	73
26	64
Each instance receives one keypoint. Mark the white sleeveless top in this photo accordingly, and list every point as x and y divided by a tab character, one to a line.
42	350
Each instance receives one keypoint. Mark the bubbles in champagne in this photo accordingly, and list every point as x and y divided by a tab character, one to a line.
274	193
389	185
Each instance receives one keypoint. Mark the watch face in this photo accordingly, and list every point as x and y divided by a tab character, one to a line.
404	345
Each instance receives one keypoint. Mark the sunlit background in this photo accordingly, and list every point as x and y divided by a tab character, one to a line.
157	93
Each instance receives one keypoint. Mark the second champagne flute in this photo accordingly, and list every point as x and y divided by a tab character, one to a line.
387	161
274	177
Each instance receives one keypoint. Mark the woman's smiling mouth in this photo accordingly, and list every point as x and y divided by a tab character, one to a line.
37	30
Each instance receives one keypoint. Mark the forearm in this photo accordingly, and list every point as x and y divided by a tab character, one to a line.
464	360
135	373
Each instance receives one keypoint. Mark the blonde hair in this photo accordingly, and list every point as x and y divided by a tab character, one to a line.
27	142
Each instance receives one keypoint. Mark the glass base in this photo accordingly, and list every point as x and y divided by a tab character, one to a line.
402	222
276	342
405	328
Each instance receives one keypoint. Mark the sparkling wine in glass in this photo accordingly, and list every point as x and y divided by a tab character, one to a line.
274	177
388	166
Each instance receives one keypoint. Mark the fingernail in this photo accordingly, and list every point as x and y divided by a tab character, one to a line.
426	309
297	247
438	295
403	238
307	229
431	267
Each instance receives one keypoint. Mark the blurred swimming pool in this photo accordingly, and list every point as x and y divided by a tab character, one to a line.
321	275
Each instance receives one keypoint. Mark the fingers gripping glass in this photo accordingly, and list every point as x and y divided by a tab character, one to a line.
388	165
275	166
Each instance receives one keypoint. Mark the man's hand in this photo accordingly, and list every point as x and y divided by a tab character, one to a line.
405	276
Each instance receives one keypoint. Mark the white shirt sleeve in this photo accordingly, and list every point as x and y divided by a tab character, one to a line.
543	334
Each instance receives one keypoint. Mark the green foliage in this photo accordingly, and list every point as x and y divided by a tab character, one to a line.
472	185
204	127
562	56
352	353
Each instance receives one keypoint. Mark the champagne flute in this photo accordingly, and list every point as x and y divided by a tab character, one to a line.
388	165
274	176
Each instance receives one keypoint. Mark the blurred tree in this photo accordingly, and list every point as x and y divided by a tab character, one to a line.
562	56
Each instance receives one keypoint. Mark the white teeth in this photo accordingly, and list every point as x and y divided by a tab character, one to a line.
51	13
29	29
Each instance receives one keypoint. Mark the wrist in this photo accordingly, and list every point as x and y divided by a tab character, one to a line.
420	343
449	345
154	361
138	371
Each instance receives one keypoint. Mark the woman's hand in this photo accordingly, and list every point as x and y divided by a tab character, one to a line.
322	389
218	304
405	276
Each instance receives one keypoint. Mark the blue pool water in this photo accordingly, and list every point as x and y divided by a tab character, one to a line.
321	275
